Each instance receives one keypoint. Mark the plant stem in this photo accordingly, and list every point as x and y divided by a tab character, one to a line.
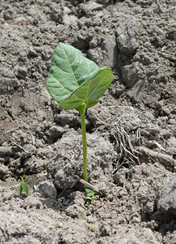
83	126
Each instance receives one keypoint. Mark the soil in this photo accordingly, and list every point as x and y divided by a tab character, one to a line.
131	132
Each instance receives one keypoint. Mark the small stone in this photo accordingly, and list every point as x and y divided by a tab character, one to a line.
21	72
32	53
105	230
168	201
6	151
129	28
48	189
8	85
89	7
67	10
131	74
172	13
36	167
56	13
63	180
33	202
136	220
8	14
4	170
55	131
119	177
69	19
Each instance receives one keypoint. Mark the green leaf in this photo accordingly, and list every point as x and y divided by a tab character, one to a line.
89	91
89	198
90	194
21	188
88	190
24	187
80	217
74	80
22	179
69	69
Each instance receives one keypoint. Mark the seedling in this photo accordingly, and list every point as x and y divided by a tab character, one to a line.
90	194
24	185
80	217
152	159
44	166
126	164
77	82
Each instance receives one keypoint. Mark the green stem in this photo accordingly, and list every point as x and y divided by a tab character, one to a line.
83	126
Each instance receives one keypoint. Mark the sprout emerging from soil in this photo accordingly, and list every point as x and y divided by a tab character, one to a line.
77	82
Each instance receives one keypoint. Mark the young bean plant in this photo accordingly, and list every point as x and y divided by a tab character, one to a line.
77	82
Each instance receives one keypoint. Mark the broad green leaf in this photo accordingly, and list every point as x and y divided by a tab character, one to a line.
69	69
89	198
74	80
89	91
88	190
90	194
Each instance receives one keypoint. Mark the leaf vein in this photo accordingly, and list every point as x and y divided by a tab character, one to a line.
60	84
70	66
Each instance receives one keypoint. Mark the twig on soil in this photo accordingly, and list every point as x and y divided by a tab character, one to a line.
86	183
167	56
78	179
32	137
20	147
167	160
12	130
133	156
159	2
126	138
125	145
